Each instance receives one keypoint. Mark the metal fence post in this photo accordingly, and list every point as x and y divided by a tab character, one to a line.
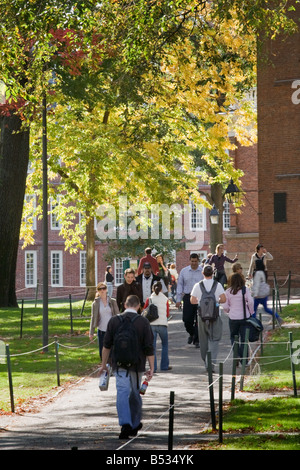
244	359
71	312
292	363
171	421
234	366
221	402
211	391
12	404
57	361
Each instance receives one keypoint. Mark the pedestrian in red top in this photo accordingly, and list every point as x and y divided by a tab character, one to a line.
148	259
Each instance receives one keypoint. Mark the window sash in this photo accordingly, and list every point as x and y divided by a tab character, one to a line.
56	269
30	269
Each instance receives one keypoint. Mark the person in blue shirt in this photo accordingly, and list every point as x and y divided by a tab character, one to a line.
188	277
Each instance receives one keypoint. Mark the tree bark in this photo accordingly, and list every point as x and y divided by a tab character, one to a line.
90	259
216	230
14	157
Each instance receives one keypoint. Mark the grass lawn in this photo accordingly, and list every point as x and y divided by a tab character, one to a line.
273	370
33	369
272	424
34	374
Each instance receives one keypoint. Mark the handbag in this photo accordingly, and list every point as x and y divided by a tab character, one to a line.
151	312
255	326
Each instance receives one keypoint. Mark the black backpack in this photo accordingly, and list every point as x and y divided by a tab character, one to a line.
126	350
208	308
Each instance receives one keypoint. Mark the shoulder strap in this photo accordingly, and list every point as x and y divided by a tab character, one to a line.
244	305
214	287
212	290
135	317
202	286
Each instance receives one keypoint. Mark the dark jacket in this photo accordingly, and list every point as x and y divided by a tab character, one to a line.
124	290
139	279
145	338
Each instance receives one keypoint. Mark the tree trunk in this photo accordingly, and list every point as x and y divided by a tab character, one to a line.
90	259
14	157
216	230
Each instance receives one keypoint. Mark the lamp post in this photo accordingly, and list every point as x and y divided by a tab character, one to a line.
232	192
45	228
214	215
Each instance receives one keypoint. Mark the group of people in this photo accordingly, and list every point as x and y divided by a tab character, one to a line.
207	336
133	296
150	285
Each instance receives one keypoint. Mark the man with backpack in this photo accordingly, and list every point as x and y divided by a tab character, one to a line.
129	339
208	293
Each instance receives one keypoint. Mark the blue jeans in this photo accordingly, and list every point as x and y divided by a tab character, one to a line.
129	400
162	331
110	288
100	335
263	302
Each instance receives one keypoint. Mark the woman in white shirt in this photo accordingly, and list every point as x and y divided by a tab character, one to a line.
103	308
160	326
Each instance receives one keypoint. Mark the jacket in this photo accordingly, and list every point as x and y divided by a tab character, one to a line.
234	304
145	338
139	279
124	290
266	256
95	318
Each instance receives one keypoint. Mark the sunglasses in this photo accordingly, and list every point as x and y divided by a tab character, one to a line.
102	288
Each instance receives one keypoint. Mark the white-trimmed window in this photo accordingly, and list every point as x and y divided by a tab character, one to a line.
119	270
197	217
226	216
30	268
56	269
55	223
82	268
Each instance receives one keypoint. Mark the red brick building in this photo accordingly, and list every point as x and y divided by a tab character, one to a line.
278	107
66	271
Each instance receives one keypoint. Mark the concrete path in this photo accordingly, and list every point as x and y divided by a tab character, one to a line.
85	418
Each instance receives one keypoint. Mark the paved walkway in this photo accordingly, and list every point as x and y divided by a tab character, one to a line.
84	418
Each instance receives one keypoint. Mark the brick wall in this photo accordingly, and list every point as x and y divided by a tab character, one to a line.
279	150
243	235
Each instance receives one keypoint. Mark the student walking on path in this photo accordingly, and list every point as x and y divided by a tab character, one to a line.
103	308
210	332
218	260
160	326
187	279
261	289
234	307
129	287
260	254
128	379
